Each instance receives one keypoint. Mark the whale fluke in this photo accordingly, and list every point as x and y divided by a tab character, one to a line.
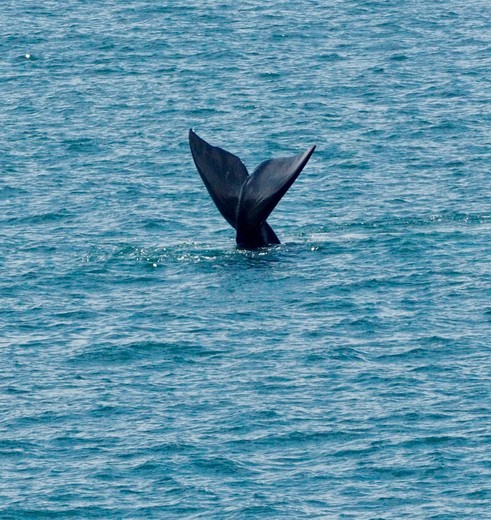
244	200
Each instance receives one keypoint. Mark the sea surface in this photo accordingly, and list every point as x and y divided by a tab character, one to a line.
148	367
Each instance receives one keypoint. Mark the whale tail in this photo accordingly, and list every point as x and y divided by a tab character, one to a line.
244	200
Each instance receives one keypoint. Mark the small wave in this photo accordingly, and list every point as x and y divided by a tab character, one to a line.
118	354
42	218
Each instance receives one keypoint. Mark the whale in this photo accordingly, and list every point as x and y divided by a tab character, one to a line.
246	201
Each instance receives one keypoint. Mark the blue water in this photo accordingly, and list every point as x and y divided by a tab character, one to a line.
148	368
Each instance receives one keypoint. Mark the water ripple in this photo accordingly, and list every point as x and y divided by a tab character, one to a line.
150	369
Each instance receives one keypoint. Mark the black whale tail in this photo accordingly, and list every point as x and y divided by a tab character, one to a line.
244	200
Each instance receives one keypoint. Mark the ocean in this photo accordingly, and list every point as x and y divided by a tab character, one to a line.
149	368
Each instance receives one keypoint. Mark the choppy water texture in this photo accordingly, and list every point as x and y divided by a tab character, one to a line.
149	369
